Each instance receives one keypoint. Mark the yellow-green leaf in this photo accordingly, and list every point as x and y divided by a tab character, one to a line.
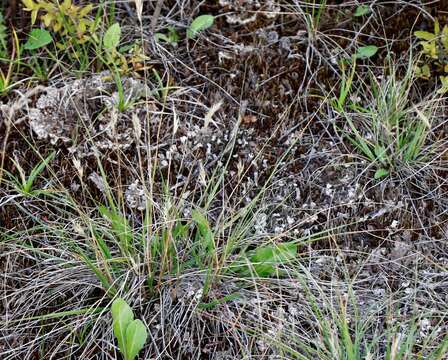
85	10
66	5
445	38
47	19
425	35
436	26
444	88
429	49
34	16
57	26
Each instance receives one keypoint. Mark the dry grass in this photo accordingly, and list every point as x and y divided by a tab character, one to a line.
161	203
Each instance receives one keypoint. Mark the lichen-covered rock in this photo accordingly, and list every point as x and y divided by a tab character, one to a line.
59	111
87	111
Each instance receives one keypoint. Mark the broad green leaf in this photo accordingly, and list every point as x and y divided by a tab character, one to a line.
380	173
38	38
136	335
267	258
122	316
361	10
366	52
112	37
121	311
199	24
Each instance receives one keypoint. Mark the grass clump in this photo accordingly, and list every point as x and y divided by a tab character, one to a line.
382	121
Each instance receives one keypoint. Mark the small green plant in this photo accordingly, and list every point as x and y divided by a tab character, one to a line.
131	334
199	24
68	20
171	38
6	77
71	27
435	55
267	259
121	59
25	184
